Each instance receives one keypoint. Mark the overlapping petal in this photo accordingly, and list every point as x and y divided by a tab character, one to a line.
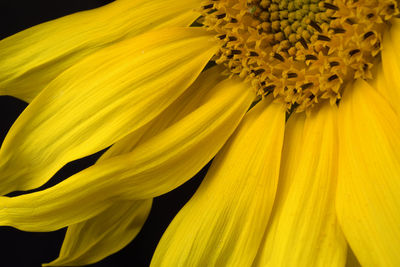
222	224
99	101
94	239
303	229
368	200
390	88
351	260
154	167
29	60
195	96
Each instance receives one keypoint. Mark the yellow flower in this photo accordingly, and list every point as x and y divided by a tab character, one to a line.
304	191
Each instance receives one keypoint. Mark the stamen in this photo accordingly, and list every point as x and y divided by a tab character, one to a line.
333	77
279	57
323	38
330	6
353	52
368	34
302	51
338	30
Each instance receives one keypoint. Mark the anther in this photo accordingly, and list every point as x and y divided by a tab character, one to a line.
258	72
232	38
208	6
291	75
333	64
303	43
222	37
370	15
253	54
269	88
221	16
236	52
323	38
315	26
330	6
311	57
349	21
306	86
333	77
368	34
279	57
338	30
353	52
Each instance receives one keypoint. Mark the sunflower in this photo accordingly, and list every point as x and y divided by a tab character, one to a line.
297	100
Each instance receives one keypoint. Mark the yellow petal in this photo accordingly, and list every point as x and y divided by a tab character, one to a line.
74	250
99	101
368	199
303	229
93	240
81	236
195	96
81	245
391	67
154	167
222	224
29	60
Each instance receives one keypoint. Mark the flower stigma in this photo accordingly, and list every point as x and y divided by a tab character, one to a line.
302	51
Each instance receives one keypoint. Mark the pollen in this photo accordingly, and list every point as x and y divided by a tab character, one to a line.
304	52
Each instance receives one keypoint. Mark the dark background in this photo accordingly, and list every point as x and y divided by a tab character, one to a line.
24	249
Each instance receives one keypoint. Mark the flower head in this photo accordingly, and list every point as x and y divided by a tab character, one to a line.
299	106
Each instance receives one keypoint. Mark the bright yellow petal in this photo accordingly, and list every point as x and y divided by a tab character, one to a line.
72	252
154	167
391	67
29	60
195	96
99	101
222	225
84	242
303	229
93	240
368	199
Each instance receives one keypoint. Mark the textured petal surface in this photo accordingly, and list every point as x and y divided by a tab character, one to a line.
303	229
94	239
391	67
29	60
99	101
85	242
368	199
195	96
222	225
154	167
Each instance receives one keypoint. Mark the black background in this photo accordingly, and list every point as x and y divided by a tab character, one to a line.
22	249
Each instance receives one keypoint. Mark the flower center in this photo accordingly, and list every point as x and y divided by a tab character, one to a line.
301	51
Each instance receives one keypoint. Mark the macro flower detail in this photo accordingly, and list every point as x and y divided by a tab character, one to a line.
295	101
301	51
